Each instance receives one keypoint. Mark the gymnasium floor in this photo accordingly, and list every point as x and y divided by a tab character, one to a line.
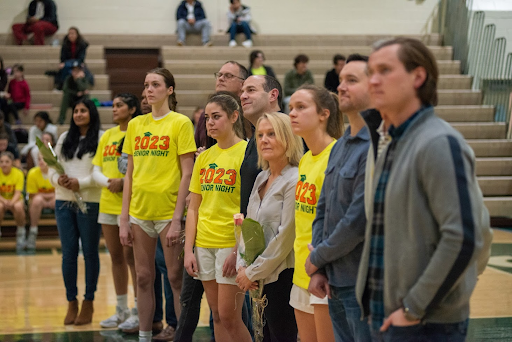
33	304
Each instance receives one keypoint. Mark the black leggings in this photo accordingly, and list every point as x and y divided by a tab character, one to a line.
280	325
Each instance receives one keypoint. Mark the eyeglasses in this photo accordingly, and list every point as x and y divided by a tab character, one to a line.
227	76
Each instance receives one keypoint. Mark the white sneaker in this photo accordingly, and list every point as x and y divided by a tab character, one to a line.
132	323
119	317
20	241
232	43
31	241
247	43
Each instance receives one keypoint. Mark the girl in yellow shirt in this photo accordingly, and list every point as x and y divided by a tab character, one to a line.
11	186
315	117
214	198
160	147
106	173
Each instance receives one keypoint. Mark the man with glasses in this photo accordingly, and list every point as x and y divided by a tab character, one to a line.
229	78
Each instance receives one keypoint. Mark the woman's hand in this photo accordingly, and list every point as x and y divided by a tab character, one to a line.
63	180
9	205
115	185
73	184
200	150
229	268
125	234
61	65
191	264
243	282
174	233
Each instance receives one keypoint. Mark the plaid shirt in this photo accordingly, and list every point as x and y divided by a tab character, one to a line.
375	281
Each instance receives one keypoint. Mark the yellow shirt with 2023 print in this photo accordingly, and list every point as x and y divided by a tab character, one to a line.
11	183
307	192
156	146
106	157
37	183
216	177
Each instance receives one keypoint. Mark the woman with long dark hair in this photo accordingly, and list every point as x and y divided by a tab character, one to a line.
256	66
75	150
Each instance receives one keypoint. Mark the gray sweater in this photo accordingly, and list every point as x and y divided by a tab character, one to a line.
436	227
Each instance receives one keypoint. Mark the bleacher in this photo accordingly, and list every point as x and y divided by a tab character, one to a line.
193	67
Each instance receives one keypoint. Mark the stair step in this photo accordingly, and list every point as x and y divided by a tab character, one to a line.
459	97
466	113
27	52
494	166
499	206
55	97
45	83
281	52
491	147
496	185
38	67
482	130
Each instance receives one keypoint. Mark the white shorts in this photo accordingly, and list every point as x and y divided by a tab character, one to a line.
152	228
110	219
302	300
210	262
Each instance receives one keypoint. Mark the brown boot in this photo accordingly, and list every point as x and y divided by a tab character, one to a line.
85	316
72	312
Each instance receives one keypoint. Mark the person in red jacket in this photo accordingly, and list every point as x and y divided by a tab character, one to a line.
19	93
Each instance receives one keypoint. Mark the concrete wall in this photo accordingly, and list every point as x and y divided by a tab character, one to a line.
270	16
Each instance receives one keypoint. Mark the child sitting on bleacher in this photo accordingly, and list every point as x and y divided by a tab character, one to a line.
33	155
18	92
41	196
11	186
5	147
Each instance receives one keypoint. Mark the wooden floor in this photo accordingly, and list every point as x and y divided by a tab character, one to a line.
32	297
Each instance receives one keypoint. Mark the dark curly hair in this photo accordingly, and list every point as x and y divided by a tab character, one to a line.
89	143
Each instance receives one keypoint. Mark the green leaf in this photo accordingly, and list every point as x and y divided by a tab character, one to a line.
302	178
48	157
147	134
254	240
213	166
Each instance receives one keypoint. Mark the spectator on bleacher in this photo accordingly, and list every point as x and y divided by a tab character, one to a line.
41	20
239	17
256	67
74	49
192	19
41	195
18	92
33	155
5	147
196	115
76	87
296	77
76	149
332	77
11	186
6	128
42	124
106	174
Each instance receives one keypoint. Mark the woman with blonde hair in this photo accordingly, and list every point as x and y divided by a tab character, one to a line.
272	204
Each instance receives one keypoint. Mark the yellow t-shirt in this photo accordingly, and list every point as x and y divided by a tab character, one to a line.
156	146
259	71
11	182
307	192
106	157
37	183
216	177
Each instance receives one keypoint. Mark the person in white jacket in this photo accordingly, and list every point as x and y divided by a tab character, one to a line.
75	150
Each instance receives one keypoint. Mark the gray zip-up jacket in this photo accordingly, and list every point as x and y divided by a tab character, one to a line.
436	227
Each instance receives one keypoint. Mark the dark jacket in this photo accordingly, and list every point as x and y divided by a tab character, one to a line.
270	71
50	11
80	51
182	12
3	79
332	81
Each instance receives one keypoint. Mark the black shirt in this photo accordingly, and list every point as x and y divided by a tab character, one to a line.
248	173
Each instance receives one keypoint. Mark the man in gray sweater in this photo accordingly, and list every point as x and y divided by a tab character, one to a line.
427	236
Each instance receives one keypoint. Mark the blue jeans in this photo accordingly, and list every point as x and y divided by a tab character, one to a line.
346	316
161	270
429	332
74	225
242	27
